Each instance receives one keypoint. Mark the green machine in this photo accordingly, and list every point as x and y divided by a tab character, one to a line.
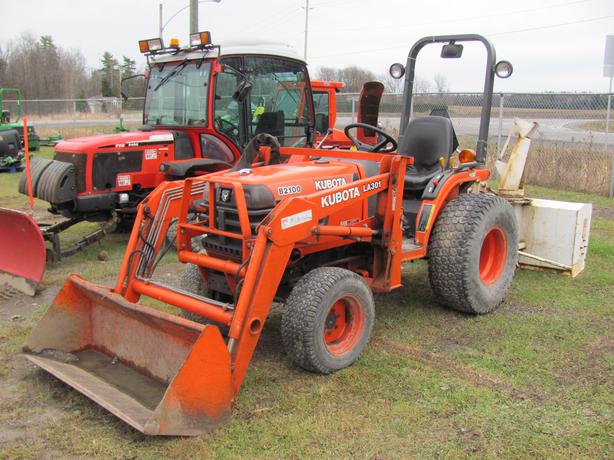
7	123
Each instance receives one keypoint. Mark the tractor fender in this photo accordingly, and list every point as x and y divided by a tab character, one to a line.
440	190
182	169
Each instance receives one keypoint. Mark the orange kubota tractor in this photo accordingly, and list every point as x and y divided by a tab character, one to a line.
319	230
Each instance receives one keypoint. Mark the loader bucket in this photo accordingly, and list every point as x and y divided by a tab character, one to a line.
22	252
161	374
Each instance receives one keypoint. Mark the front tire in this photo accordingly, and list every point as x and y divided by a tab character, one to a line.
473	253
327	320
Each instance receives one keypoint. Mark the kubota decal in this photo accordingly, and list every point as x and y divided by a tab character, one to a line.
371	186
289	190
348	194
325	184
338	197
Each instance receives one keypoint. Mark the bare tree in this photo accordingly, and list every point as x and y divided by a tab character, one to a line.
441	83
353	77
421	85
392	85
41	69
327	73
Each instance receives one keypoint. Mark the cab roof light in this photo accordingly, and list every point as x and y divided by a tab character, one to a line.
151	45
174	43
200	39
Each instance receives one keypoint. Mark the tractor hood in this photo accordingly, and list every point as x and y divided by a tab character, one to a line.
118	140
263	186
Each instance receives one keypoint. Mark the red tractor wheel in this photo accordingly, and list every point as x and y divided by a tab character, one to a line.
473	252
327	320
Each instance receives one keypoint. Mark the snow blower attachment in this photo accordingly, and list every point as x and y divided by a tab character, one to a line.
22	252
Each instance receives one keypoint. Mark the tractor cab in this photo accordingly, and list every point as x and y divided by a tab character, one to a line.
215	99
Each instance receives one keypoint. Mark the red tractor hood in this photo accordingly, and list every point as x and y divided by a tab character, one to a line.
119	140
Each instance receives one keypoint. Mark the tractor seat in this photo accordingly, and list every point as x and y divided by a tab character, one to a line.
271	123
426	139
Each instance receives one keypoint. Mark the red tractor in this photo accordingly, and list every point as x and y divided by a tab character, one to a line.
319	230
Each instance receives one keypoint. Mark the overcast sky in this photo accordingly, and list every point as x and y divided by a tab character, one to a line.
554	45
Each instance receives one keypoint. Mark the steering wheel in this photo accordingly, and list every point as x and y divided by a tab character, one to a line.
229	125
379	147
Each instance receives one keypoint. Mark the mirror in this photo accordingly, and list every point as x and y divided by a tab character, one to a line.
242	91
451	51
124	91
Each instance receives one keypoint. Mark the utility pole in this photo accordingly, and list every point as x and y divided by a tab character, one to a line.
193	16
306	25
161	28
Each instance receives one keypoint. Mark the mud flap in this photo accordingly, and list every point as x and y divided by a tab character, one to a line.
161	374
22	251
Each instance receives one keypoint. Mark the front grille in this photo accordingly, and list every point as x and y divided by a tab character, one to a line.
227	219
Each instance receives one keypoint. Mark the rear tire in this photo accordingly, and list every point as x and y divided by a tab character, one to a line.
327	320
473	253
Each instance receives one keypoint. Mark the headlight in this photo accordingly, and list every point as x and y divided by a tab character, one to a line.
504	69
397	70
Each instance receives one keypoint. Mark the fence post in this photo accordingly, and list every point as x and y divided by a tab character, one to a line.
607	135
501	99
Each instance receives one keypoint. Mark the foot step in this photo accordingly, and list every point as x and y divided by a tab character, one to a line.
410	245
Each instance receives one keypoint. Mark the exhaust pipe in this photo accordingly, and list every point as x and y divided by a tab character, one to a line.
161	374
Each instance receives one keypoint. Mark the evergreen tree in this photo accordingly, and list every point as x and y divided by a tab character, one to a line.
109	85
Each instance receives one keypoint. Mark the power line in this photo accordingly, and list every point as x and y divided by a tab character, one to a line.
529	29
273	17
551	26
471	18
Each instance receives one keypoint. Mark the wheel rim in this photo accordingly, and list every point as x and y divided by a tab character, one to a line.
343	325
493	255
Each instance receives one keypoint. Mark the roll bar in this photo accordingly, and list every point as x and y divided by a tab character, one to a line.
488	84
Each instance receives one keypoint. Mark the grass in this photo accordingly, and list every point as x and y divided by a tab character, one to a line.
533	379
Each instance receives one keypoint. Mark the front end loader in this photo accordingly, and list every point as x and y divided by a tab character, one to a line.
319	230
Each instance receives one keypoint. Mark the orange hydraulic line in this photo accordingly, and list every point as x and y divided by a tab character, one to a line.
341	230
200	307
202	260
134	236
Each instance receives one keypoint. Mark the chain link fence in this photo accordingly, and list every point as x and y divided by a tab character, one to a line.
572	149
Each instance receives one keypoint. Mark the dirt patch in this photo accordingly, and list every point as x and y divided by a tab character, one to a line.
606	213
594	370
19	307
461	371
